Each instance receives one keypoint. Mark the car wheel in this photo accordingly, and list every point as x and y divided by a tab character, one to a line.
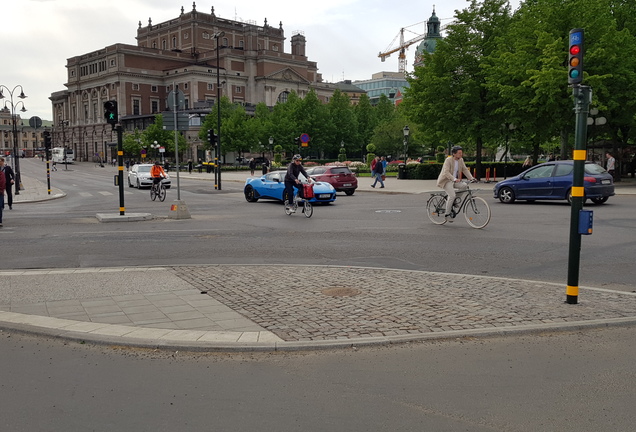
569	197
138	184
601	200
506	195
129	183
349	191
250	194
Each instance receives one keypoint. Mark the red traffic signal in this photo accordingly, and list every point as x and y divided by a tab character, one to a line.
575	57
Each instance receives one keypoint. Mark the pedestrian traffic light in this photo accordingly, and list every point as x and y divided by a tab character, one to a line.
575	57
110	112
297	141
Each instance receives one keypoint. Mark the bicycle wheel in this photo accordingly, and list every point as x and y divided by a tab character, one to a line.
162	193
153	193
477	212
435	208
308	209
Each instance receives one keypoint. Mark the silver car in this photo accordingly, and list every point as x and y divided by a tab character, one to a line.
139	176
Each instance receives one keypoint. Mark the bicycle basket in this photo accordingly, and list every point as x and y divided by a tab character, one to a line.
308	191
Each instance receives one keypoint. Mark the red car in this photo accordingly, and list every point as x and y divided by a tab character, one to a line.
340	177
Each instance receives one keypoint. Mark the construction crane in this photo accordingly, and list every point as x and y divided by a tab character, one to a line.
401	47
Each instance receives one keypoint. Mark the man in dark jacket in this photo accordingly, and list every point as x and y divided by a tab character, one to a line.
9	180
3	182
292	181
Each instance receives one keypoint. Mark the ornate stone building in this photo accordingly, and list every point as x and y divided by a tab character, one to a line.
253	68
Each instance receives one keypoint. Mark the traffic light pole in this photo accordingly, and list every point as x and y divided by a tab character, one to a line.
120	167
582	97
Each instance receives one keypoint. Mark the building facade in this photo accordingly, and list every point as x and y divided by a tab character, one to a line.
390	84
180	53
30	140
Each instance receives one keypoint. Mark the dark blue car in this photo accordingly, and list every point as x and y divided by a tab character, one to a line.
553	181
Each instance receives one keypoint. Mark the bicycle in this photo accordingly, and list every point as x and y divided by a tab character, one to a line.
475	209
308	209
158	190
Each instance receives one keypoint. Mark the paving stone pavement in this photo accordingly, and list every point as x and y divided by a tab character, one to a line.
326	303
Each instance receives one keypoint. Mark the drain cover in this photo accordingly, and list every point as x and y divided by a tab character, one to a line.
340	292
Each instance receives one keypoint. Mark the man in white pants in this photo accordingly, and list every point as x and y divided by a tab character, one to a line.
449	178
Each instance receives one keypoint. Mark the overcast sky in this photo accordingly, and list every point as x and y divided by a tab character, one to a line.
344	37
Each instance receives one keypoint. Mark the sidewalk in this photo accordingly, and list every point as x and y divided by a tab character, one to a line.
248	307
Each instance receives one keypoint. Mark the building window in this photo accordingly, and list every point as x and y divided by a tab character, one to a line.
154	89
112	63
210	86
135	86
238	89
185	86
241	44
163	44
274	47
154	45
136	110
225	43
154	106
174	42
282	98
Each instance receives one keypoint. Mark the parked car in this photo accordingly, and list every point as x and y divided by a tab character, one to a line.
553	181
139	176
340	177
272	186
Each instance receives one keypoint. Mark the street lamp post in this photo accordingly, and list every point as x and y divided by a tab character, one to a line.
218	109
509	128
14	124
595	120
155	148
406	132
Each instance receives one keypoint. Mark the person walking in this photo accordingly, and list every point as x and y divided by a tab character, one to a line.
252	165
9	181
611	164
378	171
527	163
189	166
3	183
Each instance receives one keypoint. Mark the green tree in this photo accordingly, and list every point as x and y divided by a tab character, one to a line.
366	118
448	97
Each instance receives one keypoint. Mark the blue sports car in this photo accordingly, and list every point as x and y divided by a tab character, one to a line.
272	186
553	181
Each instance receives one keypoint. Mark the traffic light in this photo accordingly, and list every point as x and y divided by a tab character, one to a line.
110	112
575	57
212	137
297	141
47	140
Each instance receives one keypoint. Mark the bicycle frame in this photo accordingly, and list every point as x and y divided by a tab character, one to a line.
475	209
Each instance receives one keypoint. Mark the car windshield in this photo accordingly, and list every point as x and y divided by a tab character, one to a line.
340	170
592	168
143	168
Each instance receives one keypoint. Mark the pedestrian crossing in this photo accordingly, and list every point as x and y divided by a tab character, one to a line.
106	193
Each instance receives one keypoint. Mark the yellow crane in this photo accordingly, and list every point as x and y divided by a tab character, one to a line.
403	45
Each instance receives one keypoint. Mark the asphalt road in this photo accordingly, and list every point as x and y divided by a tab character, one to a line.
526	241
579	382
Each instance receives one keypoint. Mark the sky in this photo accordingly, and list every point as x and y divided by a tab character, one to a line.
343	37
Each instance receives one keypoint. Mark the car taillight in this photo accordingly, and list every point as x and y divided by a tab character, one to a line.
589	179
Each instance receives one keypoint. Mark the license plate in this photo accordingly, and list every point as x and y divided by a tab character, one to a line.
347	184
324	196
607	181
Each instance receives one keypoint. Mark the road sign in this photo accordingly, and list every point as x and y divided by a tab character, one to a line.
35	122
180	100
304	138
162	149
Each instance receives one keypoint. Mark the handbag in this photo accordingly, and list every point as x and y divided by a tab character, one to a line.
383	177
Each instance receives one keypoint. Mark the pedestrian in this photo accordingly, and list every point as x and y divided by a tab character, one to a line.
3	183
189	166
114	161
384	164
611	164
54	168
527	163
378	169
127	163
252	165
9	181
